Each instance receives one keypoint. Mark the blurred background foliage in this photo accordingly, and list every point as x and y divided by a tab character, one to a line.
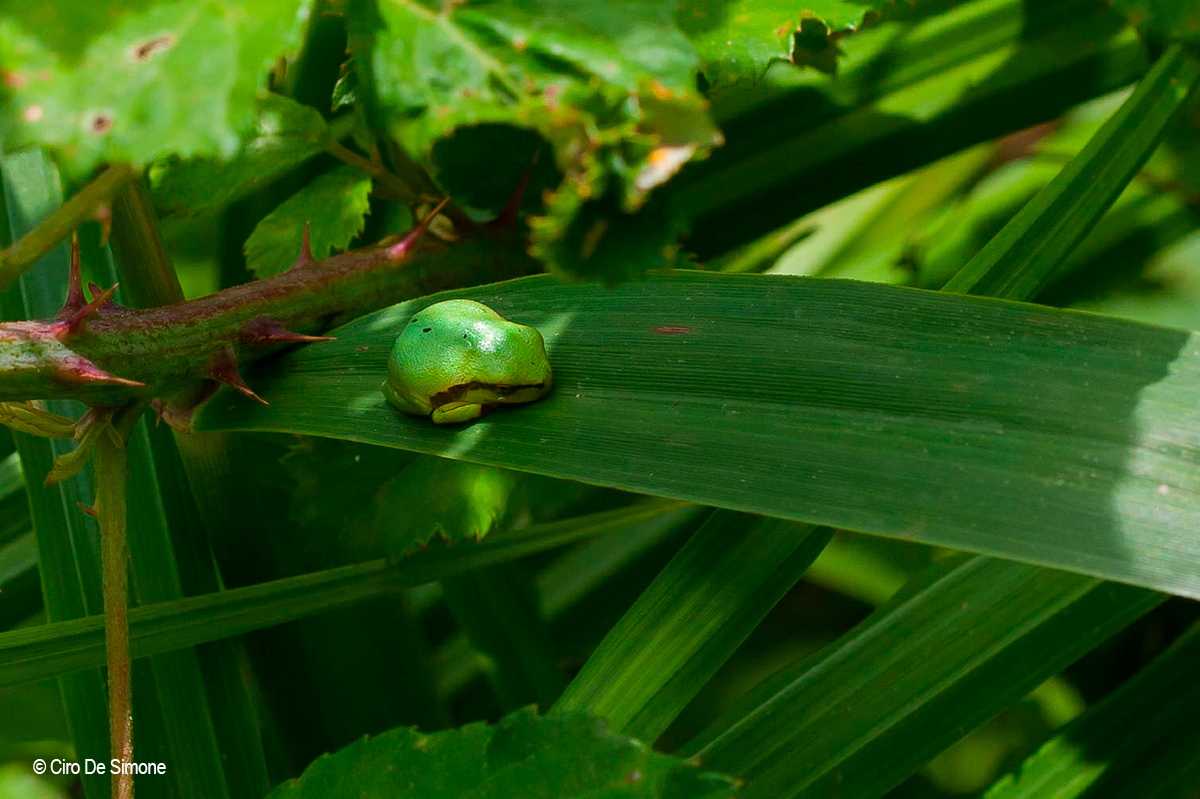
877	141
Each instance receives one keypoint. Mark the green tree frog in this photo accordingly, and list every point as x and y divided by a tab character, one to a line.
458	358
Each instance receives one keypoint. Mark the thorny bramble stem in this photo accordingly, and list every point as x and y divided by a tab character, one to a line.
104	354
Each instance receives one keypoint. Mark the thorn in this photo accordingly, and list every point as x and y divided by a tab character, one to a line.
177	414
263	331
106	303
224	368
508	216
178	419
75	300
306	256
88	509
77	369
70	323
403	248
103	215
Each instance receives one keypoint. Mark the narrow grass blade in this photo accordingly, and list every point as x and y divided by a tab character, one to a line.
1031	248
963	641
28	655
691	619
68	546
1122	746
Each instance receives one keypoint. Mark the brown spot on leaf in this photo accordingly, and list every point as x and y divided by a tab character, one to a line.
100	123
660	90
146	50
33	113
673	330
14	81
591	239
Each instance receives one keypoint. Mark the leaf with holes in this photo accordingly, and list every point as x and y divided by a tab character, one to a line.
739	40
96	82
333	206
604	92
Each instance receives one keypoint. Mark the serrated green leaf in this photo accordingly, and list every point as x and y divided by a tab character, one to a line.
285	134
399	502
1173	19
739	40
345	91
609	87
334	206
462	502
564	755
945	419
97	82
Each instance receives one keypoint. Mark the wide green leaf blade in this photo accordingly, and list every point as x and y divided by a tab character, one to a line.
950	420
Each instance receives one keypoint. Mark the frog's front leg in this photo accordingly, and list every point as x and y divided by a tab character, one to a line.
404	403
456	412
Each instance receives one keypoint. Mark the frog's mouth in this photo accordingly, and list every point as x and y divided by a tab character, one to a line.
483	393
